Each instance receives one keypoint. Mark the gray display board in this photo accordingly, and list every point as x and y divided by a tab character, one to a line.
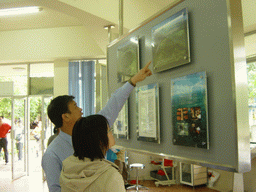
213	51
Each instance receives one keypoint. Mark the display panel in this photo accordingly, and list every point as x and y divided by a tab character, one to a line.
228	133
128	59
170	42
147	98
120	126
189	110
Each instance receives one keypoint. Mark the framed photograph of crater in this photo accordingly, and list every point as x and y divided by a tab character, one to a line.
170	42
128	59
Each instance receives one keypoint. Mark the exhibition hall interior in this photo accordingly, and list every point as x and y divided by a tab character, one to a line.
190	126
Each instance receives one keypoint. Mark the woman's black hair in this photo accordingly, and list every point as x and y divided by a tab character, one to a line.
90	137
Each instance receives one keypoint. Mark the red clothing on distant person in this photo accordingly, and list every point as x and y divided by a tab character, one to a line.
4	129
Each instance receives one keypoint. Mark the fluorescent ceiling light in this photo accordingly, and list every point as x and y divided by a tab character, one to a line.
18	69
18	11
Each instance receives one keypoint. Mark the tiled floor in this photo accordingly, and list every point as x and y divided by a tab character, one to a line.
23	184
31	183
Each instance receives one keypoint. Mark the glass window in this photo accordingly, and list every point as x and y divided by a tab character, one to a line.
81	84
16	74
251	72
41	79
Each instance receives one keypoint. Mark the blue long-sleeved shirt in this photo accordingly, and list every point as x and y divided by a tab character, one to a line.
61	147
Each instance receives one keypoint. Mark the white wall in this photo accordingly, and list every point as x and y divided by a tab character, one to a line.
60	77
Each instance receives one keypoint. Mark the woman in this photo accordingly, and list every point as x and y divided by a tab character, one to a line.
88	170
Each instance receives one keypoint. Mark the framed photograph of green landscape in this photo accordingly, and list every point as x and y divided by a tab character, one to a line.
170	42
128	59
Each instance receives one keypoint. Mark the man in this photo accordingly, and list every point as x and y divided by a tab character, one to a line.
64	112
19	137
4	129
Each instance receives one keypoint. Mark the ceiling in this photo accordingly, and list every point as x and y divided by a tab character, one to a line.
62	13
47	18
95	14
52	17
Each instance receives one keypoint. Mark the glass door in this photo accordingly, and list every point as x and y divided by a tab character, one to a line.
5	155
35	127
19	138
185	173
47	127
40	130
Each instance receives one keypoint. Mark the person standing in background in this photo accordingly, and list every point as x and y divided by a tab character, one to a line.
19	137
4	129
56	133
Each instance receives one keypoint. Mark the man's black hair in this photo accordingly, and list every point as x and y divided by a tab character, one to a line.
57	107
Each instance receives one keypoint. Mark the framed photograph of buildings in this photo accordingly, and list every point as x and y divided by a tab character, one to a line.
120	126
189	110
128	59
147	100
170	42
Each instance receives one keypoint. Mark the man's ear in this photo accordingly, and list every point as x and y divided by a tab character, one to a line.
65	117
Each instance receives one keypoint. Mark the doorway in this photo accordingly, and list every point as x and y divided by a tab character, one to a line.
19	137
26	90
30	131
40	129
13	109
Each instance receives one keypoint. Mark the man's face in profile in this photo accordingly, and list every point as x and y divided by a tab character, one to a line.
75	111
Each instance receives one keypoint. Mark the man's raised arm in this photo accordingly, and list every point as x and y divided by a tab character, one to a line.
118	98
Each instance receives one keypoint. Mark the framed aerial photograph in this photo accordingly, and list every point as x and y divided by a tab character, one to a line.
189	110
147	100
170	42
120	126
128	59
